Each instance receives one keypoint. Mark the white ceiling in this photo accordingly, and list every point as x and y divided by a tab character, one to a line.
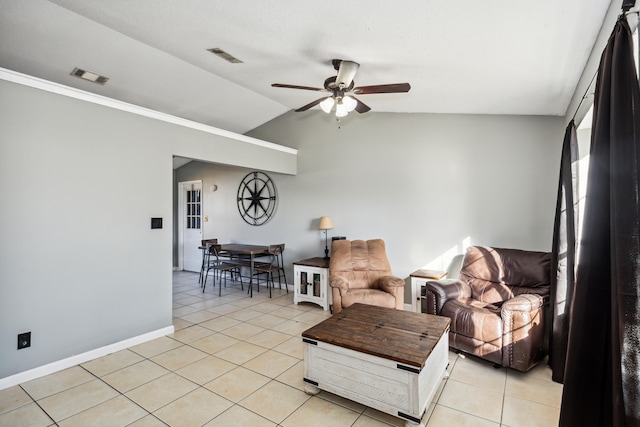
463	56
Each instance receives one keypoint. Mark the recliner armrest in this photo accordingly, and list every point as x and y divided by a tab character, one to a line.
389	283
440	291
339	282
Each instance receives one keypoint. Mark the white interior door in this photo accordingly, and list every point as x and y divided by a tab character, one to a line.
190	200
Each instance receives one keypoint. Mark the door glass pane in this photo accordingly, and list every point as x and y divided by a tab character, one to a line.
193	209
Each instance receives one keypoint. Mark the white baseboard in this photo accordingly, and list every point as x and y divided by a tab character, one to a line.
59	365
408	307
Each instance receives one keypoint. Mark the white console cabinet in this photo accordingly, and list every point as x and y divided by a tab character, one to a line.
312	282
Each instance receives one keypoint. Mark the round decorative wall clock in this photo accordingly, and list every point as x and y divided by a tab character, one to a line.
256	198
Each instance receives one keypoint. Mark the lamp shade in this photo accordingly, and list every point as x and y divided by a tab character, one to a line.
326	223
327	104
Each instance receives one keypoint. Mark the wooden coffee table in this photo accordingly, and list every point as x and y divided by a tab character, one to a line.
390	360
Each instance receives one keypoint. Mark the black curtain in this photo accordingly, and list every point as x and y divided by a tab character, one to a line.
602	371
563	255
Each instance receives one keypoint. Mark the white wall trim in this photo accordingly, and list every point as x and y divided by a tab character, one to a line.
77	359
26	80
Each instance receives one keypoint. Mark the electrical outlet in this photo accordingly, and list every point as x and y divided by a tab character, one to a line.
24	340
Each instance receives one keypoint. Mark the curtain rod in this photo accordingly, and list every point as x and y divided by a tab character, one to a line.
628	9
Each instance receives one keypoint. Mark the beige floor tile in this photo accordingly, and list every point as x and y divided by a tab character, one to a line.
268	338
275	401
179	357
225	309
214	343
179	323
194	409
542	371
159	392
524	413
245	314
29	415
239	416
313	317
200	316
237	384
57	382
384	417
188	300
473	400
480	374
12	398
266	307
242	331
530	387
290	312
292	347
293	376
364	421
317	412
267	321
338	400
77	399
206	369
184	310
271	363
112	362
118	411
241	352
134	376
292	327
220	323
447	417
156	346
207	303
190	334
248	301
148	421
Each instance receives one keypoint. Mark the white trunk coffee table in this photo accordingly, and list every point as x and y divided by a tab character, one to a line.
390	360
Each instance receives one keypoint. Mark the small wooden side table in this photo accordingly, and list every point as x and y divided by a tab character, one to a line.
418	279
311	282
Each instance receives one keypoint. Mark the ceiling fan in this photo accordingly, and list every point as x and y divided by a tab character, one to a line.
342	90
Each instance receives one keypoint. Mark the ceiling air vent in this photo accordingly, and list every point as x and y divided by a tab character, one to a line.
89	76
224	55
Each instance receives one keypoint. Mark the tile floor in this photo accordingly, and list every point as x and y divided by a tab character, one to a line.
237	361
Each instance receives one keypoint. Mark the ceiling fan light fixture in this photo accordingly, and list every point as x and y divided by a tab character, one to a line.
349	103
327	104
341	109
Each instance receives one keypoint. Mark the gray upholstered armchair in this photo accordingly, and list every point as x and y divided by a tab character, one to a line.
497	306
359	272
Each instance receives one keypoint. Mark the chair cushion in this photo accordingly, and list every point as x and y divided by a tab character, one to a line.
368	296
360	262
497	274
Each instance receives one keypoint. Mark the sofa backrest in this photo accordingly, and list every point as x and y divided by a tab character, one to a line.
359	261
496	274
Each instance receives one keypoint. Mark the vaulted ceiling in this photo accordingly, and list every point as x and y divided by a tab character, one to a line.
464	56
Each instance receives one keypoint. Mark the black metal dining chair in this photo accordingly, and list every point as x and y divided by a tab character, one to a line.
275	264
219	267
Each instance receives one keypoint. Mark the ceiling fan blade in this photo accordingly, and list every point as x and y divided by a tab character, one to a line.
361	107
298	87
311	104
346	72
391	88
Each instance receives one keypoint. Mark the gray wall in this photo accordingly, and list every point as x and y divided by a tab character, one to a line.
79	265
427	184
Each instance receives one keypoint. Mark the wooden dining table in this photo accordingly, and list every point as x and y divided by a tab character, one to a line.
243	250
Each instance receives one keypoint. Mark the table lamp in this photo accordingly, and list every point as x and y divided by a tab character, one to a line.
326	223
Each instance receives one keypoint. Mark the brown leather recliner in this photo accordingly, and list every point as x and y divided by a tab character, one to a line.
497	306
359	272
